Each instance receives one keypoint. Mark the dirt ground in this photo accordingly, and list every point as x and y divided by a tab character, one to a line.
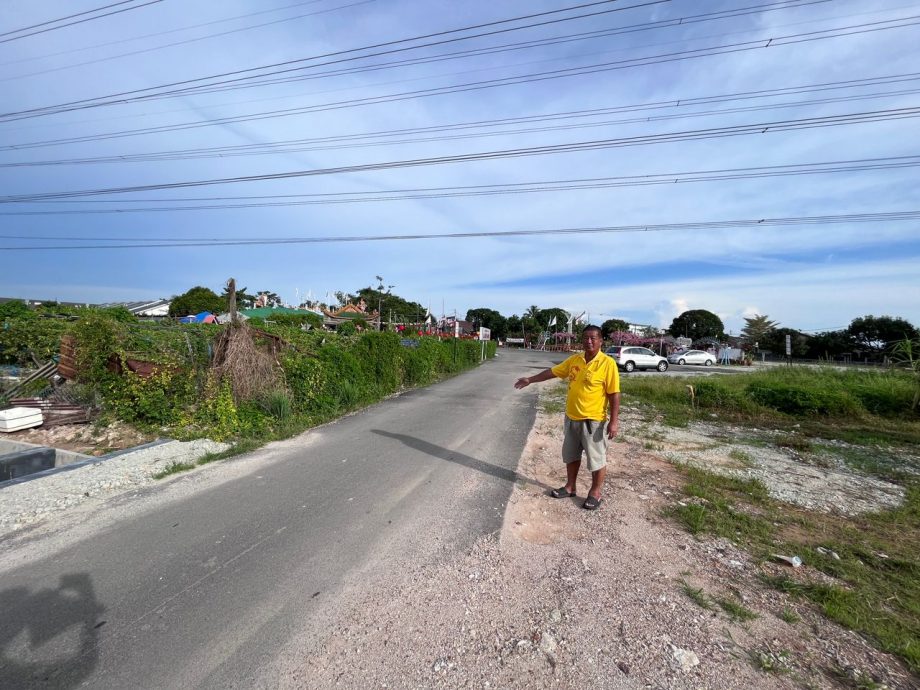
90	439
564	597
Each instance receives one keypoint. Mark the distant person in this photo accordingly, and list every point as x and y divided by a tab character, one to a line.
594	383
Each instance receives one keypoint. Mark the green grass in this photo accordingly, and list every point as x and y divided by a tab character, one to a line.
769	661
552	399
790	616
697	596
878	570
876	585
861	406
173	468
735	611
741	456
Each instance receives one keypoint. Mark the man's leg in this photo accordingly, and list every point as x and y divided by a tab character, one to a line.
597	481
571	473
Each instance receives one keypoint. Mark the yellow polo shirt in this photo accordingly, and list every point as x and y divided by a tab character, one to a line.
589	385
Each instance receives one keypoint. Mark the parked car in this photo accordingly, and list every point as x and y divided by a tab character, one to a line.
692	357
630	357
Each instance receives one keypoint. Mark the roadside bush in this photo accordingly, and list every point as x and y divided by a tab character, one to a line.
716	394
379	355
886	395
421	364
29	338
307	377
276	404
297	320
96	341
157	400
801	400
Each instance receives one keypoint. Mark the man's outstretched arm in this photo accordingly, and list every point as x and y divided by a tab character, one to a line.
525	381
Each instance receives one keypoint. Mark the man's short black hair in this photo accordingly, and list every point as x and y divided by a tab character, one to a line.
592	327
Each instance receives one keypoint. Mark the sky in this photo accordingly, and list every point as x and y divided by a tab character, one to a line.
629	159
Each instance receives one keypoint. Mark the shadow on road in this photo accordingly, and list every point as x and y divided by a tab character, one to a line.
31	620
502	473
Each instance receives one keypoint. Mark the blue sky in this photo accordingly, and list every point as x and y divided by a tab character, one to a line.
715	110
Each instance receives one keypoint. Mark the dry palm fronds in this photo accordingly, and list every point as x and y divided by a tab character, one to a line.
251	371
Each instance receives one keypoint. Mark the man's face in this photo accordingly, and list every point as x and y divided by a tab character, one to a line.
591	340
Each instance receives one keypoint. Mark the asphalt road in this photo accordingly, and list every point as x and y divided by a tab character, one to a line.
209	590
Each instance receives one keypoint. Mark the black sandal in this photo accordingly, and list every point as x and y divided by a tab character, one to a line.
561	492
591	503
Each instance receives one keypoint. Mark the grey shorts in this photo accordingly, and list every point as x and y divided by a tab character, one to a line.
589	436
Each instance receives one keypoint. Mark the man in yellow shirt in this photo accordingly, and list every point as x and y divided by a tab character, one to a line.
594	383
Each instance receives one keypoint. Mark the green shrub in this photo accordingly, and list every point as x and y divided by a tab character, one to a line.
886	395
802	400
379	355
30	338
96	341
297	320
347	328
218	414
276	404
156	400
717	394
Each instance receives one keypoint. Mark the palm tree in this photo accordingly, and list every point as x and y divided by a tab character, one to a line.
757	328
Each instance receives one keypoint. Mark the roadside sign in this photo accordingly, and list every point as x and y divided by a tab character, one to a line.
485	334
788	345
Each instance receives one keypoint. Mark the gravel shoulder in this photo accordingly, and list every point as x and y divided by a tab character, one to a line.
562	597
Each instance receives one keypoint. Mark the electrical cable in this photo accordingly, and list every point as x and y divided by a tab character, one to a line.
352	141
503	154
120	97
874	217
186	41
542	186
456	88
74	23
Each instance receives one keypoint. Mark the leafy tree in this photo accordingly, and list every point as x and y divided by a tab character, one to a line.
271	299
196	300
488	318
697	324
15	308
243	299
757	327
389	303
514	327
878	333
613	325
829	345
344	297
775	342
906	353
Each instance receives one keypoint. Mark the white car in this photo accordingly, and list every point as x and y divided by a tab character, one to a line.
630	357
692	357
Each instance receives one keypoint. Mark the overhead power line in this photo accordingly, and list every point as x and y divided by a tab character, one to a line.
188	27
566	122
533	187
876	217
128	96
197	39
685	102
504	154
473	86
63	23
